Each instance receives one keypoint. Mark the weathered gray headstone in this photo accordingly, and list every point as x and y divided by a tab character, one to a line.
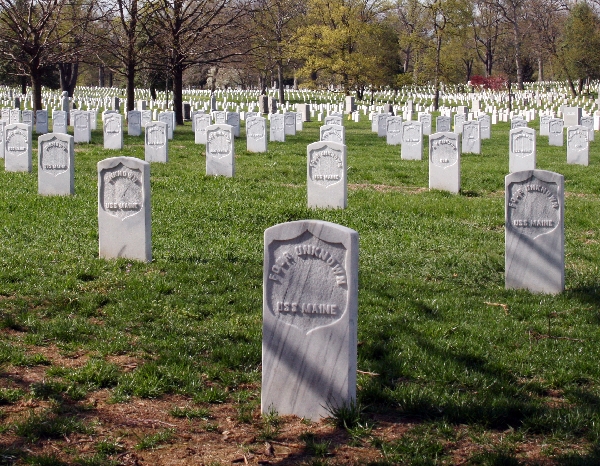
146	117
459	119
166	117
425	119
544	125
263	104
113	131
201	122
572	116
233	120
156	142
535	257
17	147
412	140
333	133
15	115
41	121
299	122
442	124
27	117
304	109
327	184
82	132
6	115
277	128
588	122
382	124
256	134
220	150
220	117
471	137
187	111
59	122
394	130
124	224
444	162
555	132
485	126
115	104
578	146
522	150
310	307
289	123
56	165
134	123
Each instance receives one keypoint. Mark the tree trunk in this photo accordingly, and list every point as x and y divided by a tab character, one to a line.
68	77
178	92
23	85
540	69
110	78
280	82
35	74
101	76
489	58
436	78
518	64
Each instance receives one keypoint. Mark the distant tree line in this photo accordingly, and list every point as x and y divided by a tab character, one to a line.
354	46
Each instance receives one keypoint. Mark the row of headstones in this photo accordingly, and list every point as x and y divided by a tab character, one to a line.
311	267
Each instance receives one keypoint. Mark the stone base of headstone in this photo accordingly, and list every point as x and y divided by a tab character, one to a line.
310	302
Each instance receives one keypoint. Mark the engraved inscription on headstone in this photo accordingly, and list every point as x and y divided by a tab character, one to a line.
156	147
333	133
555	132
326	184
535	231
309	318
412	141
393	130
277	128
442	124
121	191
471	137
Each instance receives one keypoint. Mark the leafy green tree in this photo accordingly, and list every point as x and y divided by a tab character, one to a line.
580	44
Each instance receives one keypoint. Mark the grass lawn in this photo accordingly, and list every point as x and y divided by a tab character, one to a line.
110	362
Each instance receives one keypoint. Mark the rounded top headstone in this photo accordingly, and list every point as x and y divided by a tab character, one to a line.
65	94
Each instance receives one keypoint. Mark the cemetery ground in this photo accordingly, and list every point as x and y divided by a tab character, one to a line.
116	362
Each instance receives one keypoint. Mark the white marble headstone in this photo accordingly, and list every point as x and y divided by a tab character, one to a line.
425	119
471	137
156	142
310	307
485	126
535	255
444	162
442	124
220	150
233	120
393	132
167	118
124	224
544	125
522	150
289	121
82	132
555	132
382	124
277	128
113	131
256	134
17	147
201	122
326	175
578	146
412	140
59	122
56	164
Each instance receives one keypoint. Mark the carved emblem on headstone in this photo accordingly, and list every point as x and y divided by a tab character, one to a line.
326	166
444	152
533	207
307	286
121	191
219	143
54	156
